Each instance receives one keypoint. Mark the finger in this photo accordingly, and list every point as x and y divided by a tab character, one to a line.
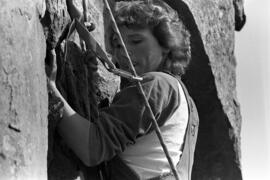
92	63
52	56
47	70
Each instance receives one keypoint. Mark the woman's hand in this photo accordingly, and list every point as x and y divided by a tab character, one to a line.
51	68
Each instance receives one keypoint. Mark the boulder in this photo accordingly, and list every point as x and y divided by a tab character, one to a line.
24	136
23	99
75	81
211	81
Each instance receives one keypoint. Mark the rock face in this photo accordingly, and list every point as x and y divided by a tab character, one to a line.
73	80
211	82
23	99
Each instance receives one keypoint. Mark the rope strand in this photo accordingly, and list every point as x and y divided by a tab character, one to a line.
139	86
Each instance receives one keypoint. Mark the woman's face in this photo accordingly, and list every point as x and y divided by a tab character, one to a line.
145	52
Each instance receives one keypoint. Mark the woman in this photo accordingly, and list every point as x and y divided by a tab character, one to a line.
124	130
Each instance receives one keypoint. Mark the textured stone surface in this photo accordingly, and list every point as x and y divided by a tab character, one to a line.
73	80
55	20
239	14
212	83
23	99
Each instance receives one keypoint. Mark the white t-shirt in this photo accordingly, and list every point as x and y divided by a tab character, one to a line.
146	156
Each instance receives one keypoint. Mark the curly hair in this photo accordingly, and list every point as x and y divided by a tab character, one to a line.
165	25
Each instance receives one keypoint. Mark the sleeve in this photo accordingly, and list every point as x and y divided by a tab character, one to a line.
127	118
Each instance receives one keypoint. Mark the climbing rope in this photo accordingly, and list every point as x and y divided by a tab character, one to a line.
139	86
87	37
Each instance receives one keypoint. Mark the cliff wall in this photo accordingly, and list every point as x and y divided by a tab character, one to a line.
23	98
24	135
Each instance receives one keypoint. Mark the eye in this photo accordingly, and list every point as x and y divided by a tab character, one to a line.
136	41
